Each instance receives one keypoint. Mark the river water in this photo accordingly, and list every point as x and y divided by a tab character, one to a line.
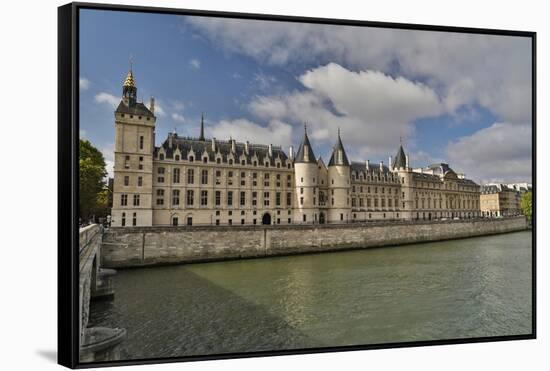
444	290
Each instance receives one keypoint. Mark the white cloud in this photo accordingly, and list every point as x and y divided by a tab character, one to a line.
108	154
178	117
107	98
493	71
501	152
84	83
276	132
372	109
159	110
195	63
263	81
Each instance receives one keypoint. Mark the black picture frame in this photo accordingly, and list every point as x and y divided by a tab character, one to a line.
68	173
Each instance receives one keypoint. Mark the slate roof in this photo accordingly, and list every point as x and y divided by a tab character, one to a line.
362	167
137	108
333	158
400	159
185	145
300	154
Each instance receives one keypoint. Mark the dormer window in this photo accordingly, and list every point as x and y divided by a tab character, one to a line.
191	158
218	160
205	160
243	162
161	156
177	157
230	161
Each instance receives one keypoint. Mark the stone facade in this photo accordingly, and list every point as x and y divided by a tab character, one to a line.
200	181
499	200
130	247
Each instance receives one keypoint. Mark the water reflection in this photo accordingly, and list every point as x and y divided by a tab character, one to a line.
463	288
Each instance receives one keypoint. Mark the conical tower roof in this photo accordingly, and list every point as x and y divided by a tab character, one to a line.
334	158
400	159
305	152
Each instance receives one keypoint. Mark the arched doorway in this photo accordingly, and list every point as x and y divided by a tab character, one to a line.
322	218
266	219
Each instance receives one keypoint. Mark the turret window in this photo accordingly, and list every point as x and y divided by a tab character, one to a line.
141	142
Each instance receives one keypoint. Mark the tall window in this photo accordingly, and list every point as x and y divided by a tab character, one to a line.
176	176
140	181
254	198
190	197
289	199
123	200
160	196
266	180
204	177
141	142
134	219
278	199
123	221
127	162
230	198
204	198
160	178
190	176
136	200
175	197
140	166
126	180
218	198
243	198
266	198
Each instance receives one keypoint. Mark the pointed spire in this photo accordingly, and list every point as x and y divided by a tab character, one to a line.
129	89
201	137
338	156
400	158
305	152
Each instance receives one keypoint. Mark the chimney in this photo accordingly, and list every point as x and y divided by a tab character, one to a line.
291	152
381	165
170	140
246	148
213	144
406	161
152	105
367	164
270	150
233	145
390	162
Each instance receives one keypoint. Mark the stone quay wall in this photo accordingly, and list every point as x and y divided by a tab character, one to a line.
145	246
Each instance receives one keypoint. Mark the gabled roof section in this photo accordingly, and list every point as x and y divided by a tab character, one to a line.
305	152
336	160
185	145
400	159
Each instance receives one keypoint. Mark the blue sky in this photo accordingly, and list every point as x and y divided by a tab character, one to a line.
462	99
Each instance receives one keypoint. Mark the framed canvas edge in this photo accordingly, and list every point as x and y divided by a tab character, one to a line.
68	137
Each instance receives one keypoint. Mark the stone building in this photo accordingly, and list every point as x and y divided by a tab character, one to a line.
499	200
206	181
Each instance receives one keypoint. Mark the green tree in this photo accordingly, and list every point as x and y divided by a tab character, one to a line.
92	183
527	204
